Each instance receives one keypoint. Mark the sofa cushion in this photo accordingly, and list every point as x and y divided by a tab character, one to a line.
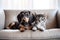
11	15
16	34
47	34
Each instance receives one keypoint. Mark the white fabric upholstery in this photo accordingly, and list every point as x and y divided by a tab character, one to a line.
16	34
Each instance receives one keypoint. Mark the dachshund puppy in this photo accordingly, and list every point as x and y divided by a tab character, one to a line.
25	18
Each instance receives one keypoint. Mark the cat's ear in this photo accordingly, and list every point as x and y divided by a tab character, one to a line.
46	15
39	15
33	13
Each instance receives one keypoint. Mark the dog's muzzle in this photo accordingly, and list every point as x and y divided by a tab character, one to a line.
26	19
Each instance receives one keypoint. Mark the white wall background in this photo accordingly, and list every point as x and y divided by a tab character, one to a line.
45	4
28	4
16	4
59	4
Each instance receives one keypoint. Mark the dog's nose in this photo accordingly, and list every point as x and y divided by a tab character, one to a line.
26	19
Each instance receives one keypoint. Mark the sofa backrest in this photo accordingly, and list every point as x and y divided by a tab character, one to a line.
11	15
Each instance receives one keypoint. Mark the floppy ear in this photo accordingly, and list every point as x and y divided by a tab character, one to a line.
19	16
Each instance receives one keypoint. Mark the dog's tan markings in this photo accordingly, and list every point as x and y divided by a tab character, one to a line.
22	28
10	25
28	27
26	19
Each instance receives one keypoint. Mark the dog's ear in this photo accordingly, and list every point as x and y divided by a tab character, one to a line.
19	16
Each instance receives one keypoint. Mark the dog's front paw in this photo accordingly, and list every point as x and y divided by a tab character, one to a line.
22	29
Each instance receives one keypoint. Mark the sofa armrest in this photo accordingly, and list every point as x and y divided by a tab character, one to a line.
2	19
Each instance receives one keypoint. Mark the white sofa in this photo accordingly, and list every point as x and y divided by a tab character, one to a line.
52	31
